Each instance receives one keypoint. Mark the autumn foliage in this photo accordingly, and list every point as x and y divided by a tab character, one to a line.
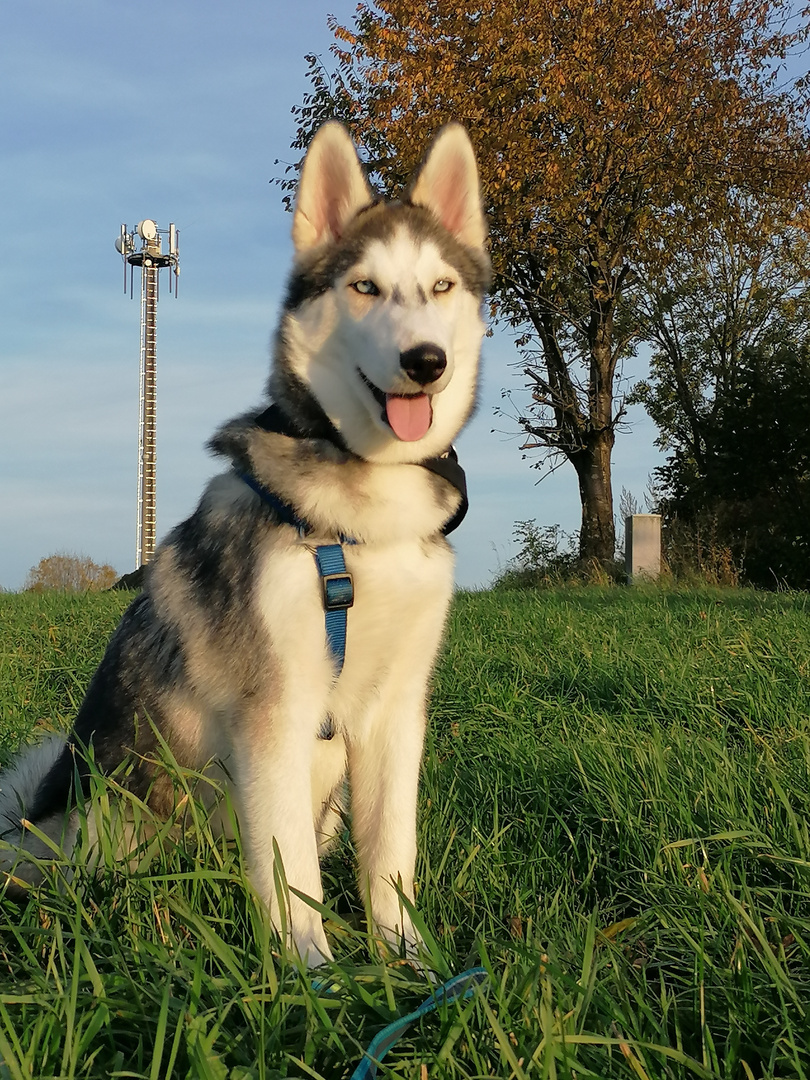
605	130
69	573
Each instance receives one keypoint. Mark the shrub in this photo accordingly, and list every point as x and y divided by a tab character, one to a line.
69	573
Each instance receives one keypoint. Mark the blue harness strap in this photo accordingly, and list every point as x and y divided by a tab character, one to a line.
338	597
284	510
336	581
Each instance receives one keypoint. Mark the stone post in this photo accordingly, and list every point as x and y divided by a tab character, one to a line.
642	547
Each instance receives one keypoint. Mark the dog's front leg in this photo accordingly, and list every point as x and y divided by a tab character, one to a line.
384	777
274	804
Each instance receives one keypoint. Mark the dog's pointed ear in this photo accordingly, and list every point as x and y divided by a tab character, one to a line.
331	190
447	184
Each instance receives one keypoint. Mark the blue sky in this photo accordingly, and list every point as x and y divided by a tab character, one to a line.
176	111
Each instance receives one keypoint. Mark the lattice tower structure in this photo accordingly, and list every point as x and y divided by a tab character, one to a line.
142	247
147	427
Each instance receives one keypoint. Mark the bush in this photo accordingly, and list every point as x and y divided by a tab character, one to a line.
69	573
697	552
549	557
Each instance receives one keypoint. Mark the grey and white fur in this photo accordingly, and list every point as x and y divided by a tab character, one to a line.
224	653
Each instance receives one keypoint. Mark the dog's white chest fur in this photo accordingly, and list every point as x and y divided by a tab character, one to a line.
401	594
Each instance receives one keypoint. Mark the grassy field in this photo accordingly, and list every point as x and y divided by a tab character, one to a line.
614	822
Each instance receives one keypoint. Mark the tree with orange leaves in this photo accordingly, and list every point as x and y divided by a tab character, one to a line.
604	130
69	573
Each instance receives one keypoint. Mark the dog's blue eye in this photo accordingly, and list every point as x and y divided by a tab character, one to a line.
443	285
365	287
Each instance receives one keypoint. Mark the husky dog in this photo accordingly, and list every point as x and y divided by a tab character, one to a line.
342	489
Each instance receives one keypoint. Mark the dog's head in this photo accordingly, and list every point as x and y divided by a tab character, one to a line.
382	323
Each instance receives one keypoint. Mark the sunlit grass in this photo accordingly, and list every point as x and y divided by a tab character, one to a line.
614	814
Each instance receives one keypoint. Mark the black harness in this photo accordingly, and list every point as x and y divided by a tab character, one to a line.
336	582
446	466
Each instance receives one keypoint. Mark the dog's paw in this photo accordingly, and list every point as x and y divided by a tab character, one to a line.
313	948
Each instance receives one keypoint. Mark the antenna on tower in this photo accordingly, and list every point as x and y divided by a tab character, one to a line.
143	247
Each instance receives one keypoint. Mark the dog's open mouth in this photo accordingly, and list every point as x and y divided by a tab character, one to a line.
408	415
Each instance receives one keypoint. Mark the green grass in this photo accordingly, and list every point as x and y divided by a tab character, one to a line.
614	821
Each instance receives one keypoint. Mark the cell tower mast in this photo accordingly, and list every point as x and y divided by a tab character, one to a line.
143	247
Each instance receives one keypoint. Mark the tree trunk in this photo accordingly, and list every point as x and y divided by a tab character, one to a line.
578	421
597	538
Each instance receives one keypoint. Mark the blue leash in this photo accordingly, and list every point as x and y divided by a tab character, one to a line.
460	986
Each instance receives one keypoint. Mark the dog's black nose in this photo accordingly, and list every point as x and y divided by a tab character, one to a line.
423	363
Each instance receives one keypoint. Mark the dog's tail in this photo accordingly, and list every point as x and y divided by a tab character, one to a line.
37	789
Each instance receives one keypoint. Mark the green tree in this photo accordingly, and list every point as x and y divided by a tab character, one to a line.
736	288
605	129
753	486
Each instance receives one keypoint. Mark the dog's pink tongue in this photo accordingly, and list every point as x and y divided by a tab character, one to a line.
409	417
